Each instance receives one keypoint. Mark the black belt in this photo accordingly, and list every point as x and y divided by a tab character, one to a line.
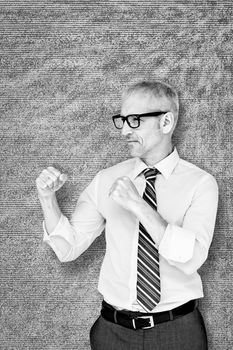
139	320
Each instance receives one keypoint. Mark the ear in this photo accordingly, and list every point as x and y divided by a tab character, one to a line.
167	122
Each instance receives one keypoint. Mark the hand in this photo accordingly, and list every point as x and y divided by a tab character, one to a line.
49	181
125	193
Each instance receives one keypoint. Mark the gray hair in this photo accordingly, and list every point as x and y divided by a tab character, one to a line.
156	89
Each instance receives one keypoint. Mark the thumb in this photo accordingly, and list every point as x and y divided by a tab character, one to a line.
63	178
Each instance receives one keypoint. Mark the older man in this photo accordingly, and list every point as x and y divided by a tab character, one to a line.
158	212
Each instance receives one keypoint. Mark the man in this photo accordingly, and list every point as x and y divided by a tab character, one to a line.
158	212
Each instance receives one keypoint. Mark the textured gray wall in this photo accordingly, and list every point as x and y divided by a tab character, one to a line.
63	67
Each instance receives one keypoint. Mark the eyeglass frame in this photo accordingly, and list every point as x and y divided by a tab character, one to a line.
151	114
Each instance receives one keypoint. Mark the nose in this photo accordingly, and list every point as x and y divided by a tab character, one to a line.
126	130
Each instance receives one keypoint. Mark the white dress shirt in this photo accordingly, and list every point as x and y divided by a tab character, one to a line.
187	199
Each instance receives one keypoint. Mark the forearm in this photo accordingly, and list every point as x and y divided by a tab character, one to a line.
69	238
51	211
177	245
151	220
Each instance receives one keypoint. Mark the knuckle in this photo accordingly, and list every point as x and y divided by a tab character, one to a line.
55	171
45	172
40	177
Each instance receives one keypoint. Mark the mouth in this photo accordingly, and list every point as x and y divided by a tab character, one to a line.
131	141
133	144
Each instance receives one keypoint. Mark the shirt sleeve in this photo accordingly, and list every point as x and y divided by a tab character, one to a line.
187	246
71	238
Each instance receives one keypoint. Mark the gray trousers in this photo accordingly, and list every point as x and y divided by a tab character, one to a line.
184	333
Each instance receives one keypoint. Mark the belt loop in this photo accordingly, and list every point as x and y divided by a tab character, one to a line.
115	316
171	315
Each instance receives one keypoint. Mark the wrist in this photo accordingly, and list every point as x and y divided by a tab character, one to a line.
151	220
139	207
47	198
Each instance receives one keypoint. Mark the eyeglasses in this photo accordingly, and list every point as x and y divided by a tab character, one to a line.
133	120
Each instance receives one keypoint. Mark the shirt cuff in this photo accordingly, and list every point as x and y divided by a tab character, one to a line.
46	237
177	244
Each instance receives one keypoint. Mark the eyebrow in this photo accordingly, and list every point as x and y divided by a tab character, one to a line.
150	114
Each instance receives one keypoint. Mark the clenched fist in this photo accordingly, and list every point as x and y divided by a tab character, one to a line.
125	193
49	181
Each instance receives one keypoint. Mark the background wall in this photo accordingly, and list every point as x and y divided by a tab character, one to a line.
63	67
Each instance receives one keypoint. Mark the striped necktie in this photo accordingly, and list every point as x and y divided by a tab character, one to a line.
148	276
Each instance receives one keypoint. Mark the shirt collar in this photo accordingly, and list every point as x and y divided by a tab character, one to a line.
165	166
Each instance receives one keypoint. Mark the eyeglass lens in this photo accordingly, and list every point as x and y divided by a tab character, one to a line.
132	121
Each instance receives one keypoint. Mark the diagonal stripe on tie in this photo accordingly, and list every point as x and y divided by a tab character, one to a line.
143	270
144	232
150	272
144	301
150	185
149	294
144	249
149	200
150	197
152	291
145	243
150	191
148	275
148	260
151	251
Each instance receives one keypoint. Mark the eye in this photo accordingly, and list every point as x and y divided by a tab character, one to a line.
135	118
142	119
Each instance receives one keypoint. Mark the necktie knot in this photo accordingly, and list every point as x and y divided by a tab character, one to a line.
150	174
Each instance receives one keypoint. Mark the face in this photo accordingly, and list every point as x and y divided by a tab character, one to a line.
144	140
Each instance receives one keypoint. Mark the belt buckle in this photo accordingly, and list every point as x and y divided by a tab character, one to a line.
151	320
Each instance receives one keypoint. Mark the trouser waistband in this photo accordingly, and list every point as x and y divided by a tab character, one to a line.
139	320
